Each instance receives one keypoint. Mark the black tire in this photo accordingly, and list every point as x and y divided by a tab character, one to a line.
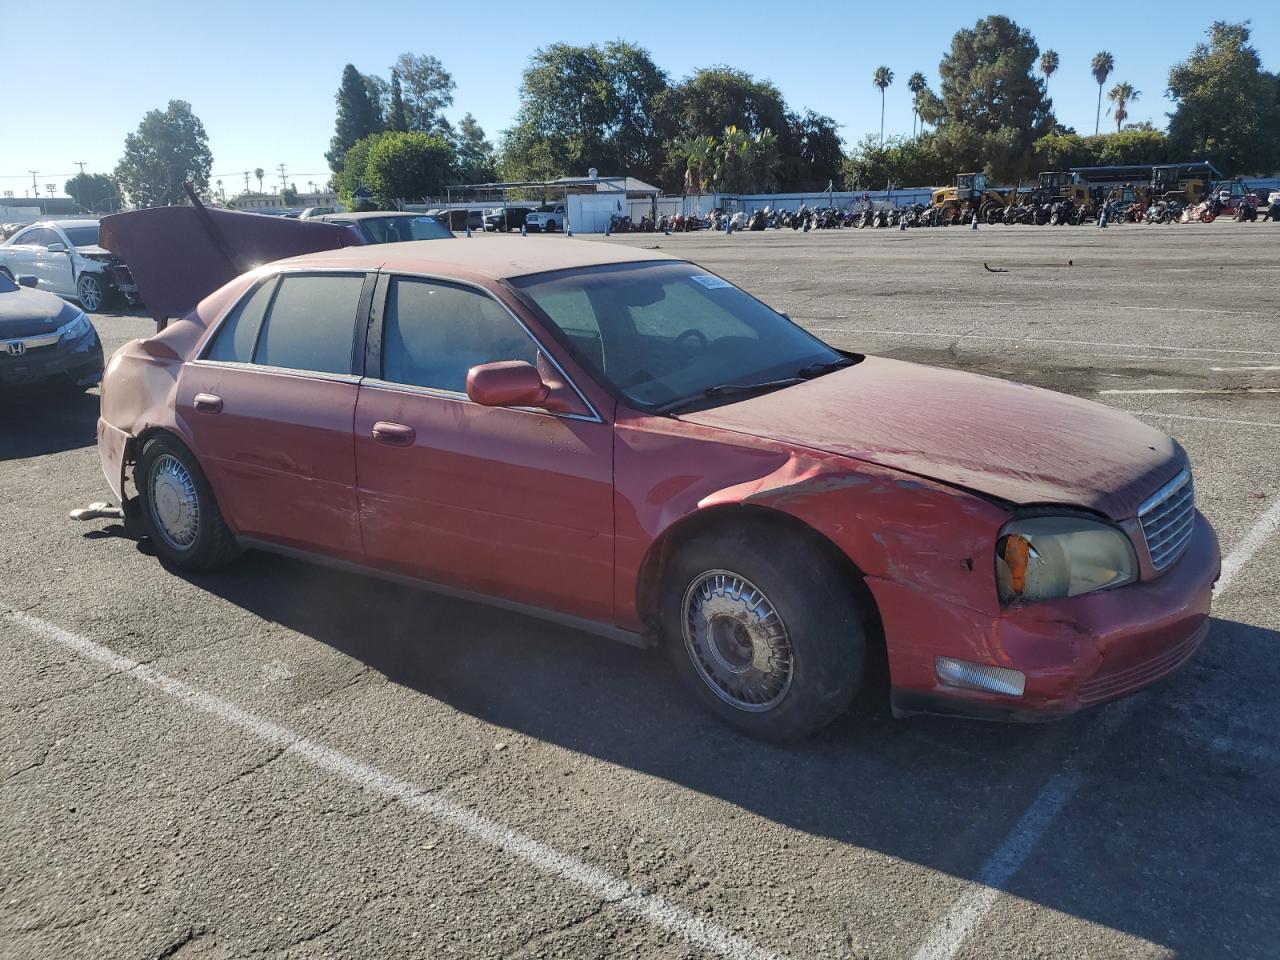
823	639
213	544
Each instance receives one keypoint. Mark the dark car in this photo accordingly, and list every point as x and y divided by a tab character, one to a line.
512	218
44	340
389	226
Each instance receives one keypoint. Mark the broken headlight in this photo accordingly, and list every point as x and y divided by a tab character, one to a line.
1043	558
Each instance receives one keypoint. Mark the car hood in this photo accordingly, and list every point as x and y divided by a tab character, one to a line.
27	313
93	250
1013	442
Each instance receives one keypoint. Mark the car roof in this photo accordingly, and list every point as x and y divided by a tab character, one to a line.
67	223
370	214
498	257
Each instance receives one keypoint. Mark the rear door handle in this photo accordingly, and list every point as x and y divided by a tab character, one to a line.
395	434
207	403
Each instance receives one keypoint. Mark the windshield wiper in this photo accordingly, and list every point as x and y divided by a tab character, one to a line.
818	369
727	389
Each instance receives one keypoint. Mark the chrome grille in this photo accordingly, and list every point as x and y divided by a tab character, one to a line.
1168	517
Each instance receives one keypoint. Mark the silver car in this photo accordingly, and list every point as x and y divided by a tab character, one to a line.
64	257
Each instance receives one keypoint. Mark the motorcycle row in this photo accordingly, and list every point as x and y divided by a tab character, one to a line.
1056	213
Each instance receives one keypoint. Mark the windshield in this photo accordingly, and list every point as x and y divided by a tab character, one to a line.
82	236
7	285
401	229
664	334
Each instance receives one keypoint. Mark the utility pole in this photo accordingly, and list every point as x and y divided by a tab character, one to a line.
81	165
282	178
246	181
34	186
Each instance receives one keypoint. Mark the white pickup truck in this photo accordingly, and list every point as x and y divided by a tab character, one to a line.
546	219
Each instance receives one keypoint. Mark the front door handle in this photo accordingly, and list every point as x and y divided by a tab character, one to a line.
395	434
207	403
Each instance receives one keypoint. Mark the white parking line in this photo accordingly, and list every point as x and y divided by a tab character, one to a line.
1197	391
1239	369
696	930
1188	416
1067	343
949	934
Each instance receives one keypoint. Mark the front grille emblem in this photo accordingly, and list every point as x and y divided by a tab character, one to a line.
15	348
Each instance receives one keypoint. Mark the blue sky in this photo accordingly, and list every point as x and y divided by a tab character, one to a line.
262	76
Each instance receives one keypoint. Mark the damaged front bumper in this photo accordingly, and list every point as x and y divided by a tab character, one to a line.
1074	653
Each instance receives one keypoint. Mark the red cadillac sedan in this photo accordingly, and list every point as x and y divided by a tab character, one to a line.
628	444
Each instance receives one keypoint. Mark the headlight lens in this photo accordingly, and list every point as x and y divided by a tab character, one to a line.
1042	558
75	328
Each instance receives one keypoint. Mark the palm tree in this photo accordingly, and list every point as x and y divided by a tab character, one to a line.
1048	66
729	158
762	159
695	151
221	193
259	173
882	79
1122	94
916	84
1101	67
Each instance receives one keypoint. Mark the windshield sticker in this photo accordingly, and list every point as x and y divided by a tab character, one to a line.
710	282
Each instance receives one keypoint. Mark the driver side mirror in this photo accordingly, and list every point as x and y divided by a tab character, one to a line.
57	247
506	383
25	280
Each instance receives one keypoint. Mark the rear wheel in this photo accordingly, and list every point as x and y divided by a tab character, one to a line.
179	513
767	632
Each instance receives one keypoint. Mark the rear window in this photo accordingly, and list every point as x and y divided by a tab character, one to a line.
402	229
311	324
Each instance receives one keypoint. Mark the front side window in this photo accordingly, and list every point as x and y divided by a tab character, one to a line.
39	237
665	333
434	333
311	323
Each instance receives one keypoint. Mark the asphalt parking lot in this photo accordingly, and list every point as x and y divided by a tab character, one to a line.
282	761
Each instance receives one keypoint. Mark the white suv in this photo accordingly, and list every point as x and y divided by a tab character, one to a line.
546	219
64	257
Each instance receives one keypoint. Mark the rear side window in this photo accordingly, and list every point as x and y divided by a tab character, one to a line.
434	333
311	324
233	343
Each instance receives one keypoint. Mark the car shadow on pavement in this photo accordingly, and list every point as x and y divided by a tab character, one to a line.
35	423
939	792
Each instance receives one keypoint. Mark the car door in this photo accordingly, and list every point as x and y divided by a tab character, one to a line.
269	406
510	502
25	251
56	267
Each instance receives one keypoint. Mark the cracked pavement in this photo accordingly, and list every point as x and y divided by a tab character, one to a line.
134	826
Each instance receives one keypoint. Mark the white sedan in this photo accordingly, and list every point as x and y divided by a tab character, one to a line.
64	257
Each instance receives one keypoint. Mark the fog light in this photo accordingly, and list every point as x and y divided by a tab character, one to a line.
980	676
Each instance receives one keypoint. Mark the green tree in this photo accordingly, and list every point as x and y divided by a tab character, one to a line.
1062	151
730	158
695	153
379	92
94	192
1121	95
427	89
904	161
1227	107
583	107
917	84
816	153
356	117
396	117
170	147
883	77
1101	66
408	166
763	161
992	107
1048	67
353	174
289	196
475	159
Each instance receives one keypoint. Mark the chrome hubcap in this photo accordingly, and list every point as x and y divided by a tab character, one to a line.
175	507
736	640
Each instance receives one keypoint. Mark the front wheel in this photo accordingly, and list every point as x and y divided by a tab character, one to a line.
91	292
767	633
179	513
